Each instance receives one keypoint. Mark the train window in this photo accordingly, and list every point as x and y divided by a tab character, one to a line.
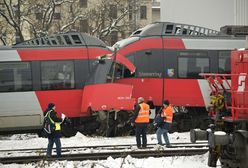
127	73
224	62
169	29
57	75
118	73
149	64
190	67
15	76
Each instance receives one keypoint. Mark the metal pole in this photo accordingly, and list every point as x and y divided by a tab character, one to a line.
114	65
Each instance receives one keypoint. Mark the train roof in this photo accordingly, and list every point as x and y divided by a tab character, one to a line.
171	29
175	29
70	39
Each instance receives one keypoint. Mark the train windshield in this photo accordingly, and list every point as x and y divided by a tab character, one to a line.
106	70
101	69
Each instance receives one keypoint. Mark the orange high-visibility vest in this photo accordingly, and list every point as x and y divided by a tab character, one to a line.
143	116
168	114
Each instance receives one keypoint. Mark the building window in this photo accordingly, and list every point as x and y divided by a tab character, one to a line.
113	11
84	25
83	3
57	75
143	12
15	77
190	67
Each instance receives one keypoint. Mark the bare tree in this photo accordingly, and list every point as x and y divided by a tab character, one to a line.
29	18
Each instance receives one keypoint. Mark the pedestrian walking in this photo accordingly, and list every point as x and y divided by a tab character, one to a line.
164	122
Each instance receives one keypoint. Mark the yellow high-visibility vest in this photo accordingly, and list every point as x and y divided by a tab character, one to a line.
57	124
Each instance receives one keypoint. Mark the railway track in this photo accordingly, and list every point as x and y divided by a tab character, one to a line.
104	151
99	147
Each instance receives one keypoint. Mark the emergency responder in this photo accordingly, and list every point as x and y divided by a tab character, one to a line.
53	137
167	115
141	121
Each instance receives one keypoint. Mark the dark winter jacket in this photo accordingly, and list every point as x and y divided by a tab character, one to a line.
54	117
151	104
159	121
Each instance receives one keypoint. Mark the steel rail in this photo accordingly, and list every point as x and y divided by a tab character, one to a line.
124	146
140	153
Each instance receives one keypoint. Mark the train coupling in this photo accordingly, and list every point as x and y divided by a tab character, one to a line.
214	138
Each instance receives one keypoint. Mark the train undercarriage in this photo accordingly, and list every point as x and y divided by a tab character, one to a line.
228	142
118	123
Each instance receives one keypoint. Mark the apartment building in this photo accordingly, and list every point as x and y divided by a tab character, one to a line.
110	20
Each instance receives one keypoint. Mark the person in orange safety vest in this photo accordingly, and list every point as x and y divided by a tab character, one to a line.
141	120
167	114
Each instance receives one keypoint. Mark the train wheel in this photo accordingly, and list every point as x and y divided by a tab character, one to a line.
238	155
241	148
68	131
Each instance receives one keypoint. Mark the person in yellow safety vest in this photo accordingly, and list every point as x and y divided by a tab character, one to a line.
54	137
167	114
141	120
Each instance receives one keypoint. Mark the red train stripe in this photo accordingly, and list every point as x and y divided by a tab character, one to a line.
152	43
61	53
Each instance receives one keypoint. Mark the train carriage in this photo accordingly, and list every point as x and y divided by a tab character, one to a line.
168	58
53	69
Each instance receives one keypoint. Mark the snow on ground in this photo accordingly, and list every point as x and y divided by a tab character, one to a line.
33	141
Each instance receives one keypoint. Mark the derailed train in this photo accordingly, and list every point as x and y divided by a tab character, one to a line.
95	86
57	69
168	58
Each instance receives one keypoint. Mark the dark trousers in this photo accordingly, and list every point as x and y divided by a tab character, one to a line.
51	141
141	131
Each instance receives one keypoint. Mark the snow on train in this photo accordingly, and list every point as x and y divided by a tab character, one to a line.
168	58
57	69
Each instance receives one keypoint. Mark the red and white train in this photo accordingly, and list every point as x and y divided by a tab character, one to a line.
161	60
57	69
168	58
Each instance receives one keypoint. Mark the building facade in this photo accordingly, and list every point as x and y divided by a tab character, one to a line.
155	10
108	20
